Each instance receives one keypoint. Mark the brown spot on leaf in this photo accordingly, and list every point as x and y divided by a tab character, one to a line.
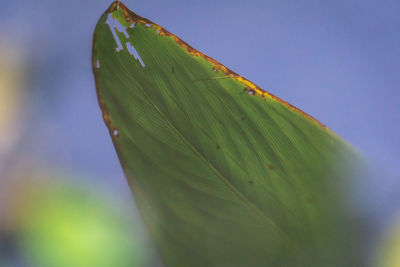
271	167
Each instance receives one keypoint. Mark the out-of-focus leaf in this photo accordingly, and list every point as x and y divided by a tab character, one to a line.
12	102
223	172
388	254
62	225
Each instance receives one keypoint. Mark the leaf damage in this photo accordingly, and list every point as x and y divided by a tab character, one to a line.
197	149
131	18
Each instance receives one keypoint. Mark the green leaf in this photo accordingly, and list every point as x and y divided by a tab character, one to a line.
223	172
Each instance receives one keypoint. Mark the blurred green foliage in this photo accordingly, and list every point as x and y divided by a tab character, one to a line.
59	224
66	226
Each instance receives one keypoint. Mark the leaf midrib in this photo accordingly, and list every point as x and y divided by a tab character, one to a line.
223	179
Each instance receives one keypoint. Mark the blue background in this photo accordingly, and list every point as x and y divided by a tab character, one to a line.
339	61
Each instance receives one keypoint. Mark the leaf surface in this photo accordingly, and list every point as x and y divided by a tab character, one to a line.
223	172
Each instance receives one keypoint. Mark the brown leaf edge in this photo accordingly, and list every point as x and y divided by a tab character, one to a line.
132	17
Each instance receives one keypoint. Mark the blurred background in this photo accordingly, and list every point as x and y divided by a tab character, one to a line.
63	198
